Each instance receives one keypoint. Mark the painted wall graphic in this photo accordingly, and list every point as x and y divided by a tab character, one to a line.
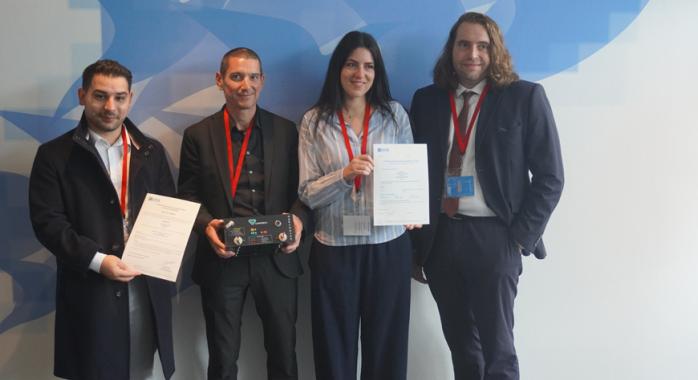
173	47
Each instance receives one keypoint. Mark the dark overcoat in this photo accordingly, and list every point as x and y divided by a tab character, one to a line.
75	212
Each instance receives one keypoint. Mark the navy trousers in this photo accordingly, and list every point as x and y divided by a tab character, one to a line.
473	273
366	286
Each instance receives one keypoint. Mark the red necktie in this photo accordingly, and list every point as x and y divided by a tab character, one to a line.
455	159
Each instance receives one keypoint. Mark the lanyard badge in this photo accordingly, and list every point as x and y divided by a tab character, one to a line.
364	140
123	194
458	185
235	173
356	221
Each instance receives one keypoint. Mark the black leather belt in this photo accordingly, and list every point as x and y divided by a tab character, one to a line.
462	217
456	216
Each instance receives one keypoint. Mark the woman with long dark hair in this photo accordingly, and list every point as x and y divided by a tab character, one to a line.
360	272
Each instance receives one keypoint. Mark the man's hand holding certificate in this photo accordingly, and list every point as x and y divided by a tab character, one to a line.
156	245
401	184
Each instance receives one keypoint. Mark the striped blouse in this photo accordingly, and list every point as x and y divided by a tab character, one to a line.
322	158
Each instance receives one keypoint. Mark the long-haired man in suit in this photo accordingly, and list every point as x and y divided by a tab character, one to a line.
495	176
243	161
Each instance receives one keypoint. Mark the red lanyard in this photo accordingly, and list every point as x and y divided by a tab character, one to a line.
364	140
235	175
463	141
124	171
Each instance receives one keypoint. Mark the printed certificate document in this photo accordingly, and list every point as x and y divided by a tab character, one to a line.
400	184
159	237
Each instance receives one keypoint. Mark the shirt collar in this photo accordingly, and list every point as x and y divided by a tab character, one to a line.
477	89
255	125
95	139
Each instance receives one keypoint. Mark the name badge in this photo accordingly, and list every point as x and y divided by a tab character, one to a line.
356	225
461	186
127	230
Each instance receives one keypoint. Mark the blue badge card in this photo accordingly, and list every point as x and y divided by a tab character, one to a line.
461	186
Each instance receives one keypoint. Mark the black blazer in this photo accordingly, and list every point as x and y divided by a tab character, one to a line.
75	212
203	178
517	159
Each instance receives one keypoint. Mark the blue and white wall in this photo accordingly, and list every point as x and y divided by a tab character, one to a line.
616	299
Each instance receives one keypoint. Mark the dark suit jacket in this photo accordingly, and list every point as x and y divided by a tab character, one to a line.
75	212
203	178
517	159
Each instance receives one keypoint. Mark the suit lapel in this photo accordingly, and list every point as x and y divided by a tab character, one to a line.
266	124
488	108
443	123
136	162
220	152
137	159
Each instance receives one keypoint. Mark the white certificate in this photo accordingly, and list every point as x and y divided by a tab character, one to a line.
401	184
159	237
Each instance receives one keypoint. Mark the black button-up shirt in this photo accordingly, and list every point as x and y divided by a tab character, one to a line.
249	198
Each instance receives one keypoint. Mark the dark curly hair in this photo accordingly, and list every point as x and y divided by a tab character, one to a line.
501	70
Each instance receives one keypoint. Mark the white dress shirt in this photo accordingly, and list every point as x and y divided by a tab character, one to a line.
471	205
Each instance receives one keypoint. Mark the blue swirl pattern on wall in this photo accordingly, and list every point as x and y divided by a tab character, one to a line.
174	47
33	281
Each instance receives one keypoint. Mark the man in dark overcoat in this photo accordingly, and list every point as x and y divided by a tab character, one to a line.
85	191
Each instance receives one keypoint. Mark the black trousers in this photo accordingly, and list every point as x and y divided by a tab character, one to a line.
276	299
366	286
473	273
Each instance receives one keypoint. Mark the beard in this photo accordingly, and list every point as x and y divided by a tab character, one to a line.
104	122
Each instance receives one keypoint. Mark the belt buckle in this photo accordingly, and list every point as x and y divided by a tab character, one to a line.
456	216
